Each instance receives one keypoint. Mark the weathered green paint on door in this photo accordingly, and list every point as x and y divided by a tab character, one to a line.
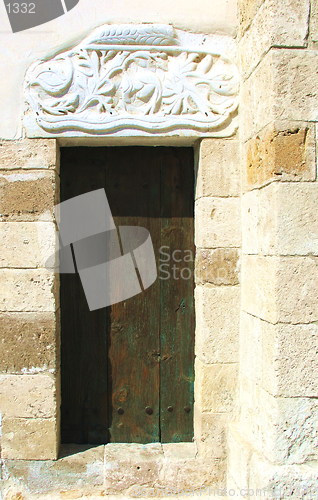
127	370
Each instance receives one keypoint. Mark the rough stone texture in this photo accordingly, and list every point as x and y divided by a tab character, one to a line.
29	439
210	433
283	429
79	471
251	354
130	464
218	171
146	470
282	358
283	23
27	396
215	386
27	196
217	323
289	481
217	222
26	245
314	24
280	152
281	88
247	12
289	359
289	227
239	455
289	428
280	289
29	153
218	267
28	290
27	342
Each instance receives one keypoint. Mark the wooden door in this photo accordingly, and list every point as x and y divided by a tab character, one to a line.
127	370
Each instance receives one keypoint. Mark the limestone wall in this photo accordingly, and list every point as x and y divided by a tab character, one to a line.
273	445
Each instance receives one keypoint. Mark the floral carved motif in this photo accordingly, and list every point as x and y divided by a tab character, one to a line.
135	77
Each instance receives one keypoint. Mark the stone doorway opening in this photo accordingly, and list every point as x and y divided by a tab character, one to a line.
127	370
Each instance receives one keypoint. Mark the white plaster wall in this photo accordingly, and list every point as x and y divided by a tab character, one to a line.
19	50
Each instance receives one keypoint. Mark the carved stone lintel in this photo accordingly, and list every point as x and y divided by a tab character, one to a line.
132	80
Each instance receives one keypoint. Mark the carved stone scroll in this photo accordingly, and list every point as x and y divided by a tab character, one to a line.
132	80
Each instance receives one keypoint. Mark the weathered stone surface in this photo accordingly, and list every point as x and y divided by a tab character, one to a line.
280	152
26	244
251	337
29	438
27	342
29	153
285	481
289	359
186	478
281	358
131	464
288	427
247	11
239	455
27	396
218	267
217	222
27	196
215	386
281	289
79	471
288	227
28	290
314	23
281	88
218	172
283	23
217	323
179	451
210	433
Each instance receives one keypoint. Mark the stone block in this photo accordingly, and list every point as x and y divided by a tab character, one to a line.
314	23
29	154
210	434
27	196
217	323
290	227
239	455
289	359
130	464
282	87
288	427
218	267
215	386
280	152
29	438
28	290
247	12
218	172
280	289
285	481
217	222
28	342
27	396
26	244
276	24
251	336
79	471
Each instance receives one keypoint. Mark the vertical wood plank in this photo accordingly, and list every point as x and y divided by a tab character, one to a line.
133	188
84	349
176	296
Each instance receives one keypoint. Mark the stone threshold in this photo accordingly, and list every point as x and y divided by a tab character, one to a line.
122	470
